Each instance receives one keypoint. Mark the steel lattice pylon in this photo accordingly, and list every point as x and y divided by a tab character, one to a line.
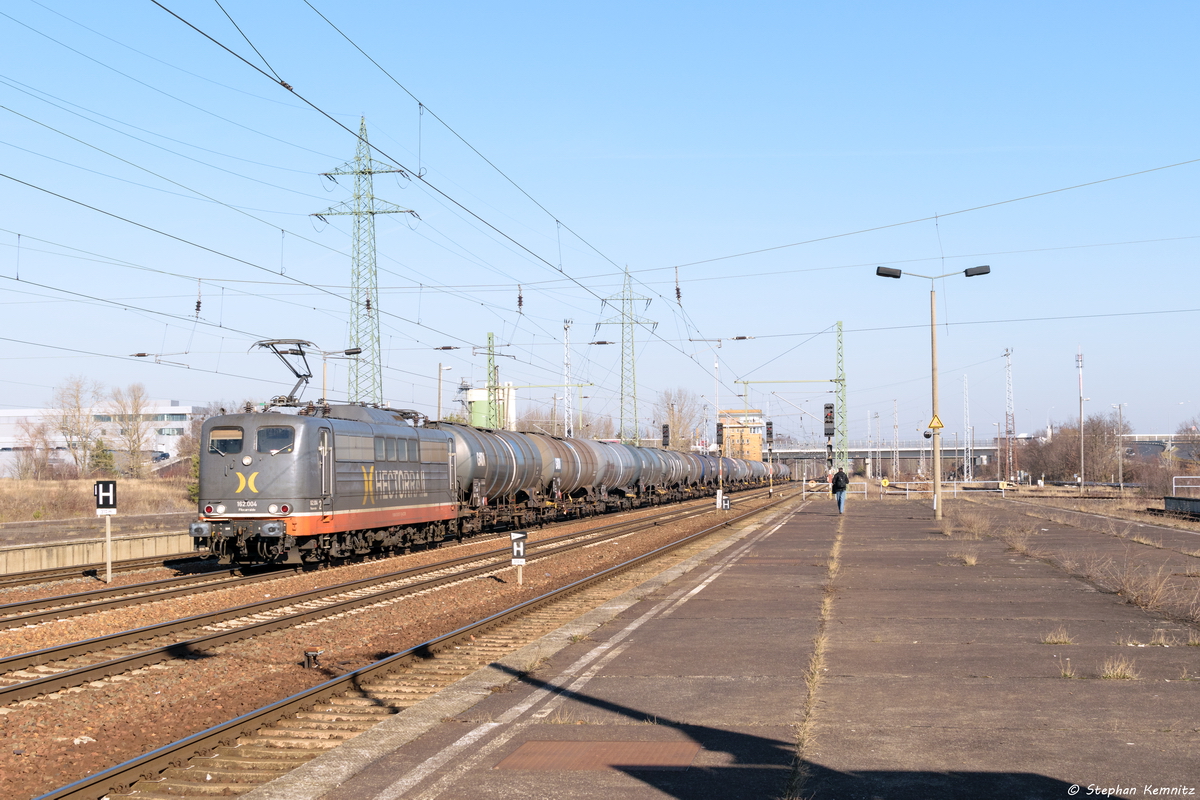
628	321
841	442
366	371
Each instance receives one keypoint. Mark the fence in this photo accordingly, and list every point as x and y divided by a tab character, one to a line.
949	488
1184	483
822	487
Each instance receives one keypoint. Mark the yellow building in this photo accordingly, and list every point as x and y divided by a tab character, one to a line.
743	429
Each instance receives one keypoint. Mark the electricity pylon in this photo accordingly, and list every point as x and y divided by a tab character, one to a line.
628	321
366	371
841	440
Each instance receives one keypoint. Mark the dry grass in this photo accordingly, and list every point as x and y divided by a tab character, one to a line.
1128	641
1162	639
1141	587
1193	639
1146	540
972	523
813	676
969	558
1118	668
1065	670
24	501
1058	636
1019	540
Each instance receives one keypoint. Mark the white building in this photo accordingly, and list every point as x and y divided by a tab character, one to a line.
168	424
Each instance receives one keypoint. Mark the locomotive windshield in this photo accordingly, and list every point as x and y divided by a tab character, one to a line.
225	441
276	440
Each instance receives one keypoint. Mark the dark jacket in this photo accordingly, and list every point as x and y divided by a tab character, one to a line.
840	481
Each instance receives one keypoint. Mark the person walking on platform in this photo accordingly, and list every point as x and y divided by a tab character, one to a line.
840	481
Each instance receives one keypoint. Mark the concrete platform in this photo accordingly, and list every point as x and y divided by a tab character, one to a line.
935	683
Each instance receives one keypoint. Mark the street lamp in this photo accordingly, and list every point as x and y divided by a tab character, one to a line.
1120	446
935	424
441	369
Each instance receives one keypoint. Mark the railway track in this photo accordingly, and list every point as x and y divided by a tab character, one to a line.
94	570
27	676
254	748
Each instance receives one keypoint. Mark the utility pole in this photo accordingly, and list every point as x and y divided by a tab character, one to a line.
895	441
1079	363
969	466
568	425
1010	424
628	321
366	372
1120	446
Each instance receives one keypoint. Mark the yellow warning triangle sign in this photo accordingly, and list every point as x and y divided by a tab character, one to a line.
936	423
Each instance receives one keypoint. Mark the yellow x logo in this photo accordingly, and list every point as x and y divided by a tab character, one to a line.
244	482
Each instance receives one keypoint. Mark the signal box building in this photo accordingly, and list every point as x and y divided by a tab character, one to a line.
744	431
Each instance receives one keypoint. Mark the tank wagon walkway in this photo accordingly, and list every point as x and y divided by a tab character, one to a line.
929	678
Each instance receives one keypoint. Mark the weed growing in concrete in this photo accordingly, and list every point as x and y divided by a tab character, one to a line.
1146	540
1141	587
973	523
1019	539
1058	636
1162	639
1128	641
969	558
1065	670
1118	668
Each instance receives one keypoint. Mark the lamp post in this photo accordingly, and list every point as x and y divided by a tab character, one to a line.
1120	446
935	424
441	369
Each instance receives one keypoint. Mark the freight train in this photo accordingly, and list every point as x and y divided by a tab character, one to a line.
337	481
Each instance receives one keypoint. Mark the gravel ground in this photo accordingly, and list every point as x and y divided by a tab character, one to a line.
45	744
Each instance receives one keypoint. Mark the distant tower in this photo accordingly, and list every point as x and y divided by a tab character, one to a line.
366	371
628	320
568	411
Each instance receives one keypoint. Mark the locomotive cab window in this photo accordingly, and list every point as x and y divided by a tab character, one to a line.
391	450
225	441
276	440
380	449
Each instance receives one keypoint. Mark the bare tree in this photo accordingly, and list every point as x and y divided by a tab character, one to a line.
74	416
32	451
683	411
129	407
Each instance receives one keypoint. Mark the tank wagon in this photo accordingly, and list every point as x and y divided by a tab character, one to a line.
332	482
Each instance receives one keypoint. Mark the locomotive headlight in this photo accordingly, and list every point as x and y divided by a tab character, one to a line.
220	508
285	509
209	509
247	461
272	509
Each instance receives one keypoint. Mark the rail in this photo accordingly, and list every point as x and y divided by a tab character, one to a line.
118	779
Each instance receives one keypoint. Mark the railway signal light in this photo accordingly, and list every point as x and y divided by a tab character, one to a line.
770	432
720	434
666	440
829	419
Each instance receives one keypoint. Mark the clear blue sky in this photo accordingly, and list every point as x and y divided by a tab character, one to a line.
665	135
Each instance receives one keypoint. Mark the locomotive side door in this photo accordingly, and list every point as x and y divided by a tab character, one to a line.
325	468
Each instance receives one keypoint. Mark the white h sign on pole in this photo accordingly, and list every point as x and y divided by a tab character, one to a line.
106	506
518	553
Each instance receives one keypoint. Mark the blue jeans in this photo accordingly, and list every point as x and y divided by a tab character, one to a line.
841	500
